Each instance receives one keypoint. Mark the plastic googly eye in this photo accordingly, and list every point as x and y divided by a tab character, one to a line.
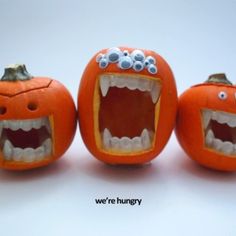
99	57
222	95
151	60
138	66
138	55
126	53
146	63
152	69
103	63
125	63
113	55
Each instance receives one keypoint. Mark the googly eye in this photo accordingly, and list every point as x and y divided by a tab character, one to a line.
138	66
99	57
138	55
152	69
126	53
125	63
151	60
146	63
222	95
113	55
103	63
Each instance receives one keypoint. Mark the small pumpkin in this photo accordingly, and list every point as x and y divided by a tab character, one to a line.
206	123
127	104
37	119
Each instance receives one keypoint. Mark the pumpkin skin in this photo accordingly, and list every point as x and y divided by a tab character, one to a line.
191	131
37	98
91	107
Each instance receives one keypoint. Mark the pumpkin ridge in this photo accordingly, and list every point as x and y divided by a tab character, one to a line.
27	90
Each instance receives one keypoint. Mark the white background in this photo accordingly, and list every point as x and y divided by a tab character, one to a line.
57	39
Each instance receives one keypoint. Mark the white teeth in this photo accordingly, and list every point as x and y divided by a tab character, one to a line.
106	138
217	144
37	123
17	154
25	125
132	83
104	85
27	154
225	147
115	143
222	118
39	153
232	122
7	150
47	144
145	139
209	137
137	144
214	115
14	125
206	118
126	144
155	92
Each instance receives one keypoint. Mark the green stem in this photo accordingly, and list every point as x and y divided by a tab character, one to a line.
16	72
218	79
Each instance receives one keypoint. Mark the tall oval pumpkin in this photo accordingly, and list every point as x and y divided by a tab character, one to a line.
127	104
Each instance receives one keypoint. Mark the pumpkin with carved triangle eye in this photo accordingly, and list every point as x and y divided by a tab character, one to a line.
206	123
37	119
127	104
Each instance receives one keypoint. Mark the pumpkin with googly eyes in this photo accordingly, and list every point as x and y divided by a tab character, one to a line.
206	123
127	103
37	119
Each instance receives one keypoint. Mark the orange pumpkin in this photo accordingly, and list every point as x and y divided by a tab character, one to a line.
127	104
206	123
37	119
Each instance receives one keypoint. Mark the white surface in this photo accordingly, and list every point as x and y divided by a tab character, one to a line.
56	38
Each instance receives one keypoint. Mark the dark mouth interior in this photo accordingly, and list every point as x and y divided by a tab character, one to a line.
223	131
126	112
23	139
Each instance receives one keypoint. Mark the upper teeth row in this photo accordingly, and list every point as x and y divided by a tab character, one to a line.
220	117
223	146
125	144
142	84
25	125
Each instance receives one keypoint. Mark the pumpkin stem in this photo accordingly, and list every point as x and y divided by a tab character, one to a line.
16	72
218	79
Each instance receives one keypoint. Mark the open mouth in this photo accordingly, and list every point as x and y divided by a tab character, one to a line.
127	113
220	131
26	140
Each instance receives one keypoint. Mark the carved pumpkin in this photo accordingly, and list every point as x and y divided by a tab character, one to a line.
37	119
206	123
127	105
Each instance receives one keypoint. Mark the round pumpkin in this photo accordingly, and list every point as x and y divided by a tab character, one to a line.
37	119
127	104
206	123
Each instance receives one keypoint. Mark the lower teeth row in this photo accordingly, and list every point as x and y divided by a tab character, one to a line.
27	154
126	144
